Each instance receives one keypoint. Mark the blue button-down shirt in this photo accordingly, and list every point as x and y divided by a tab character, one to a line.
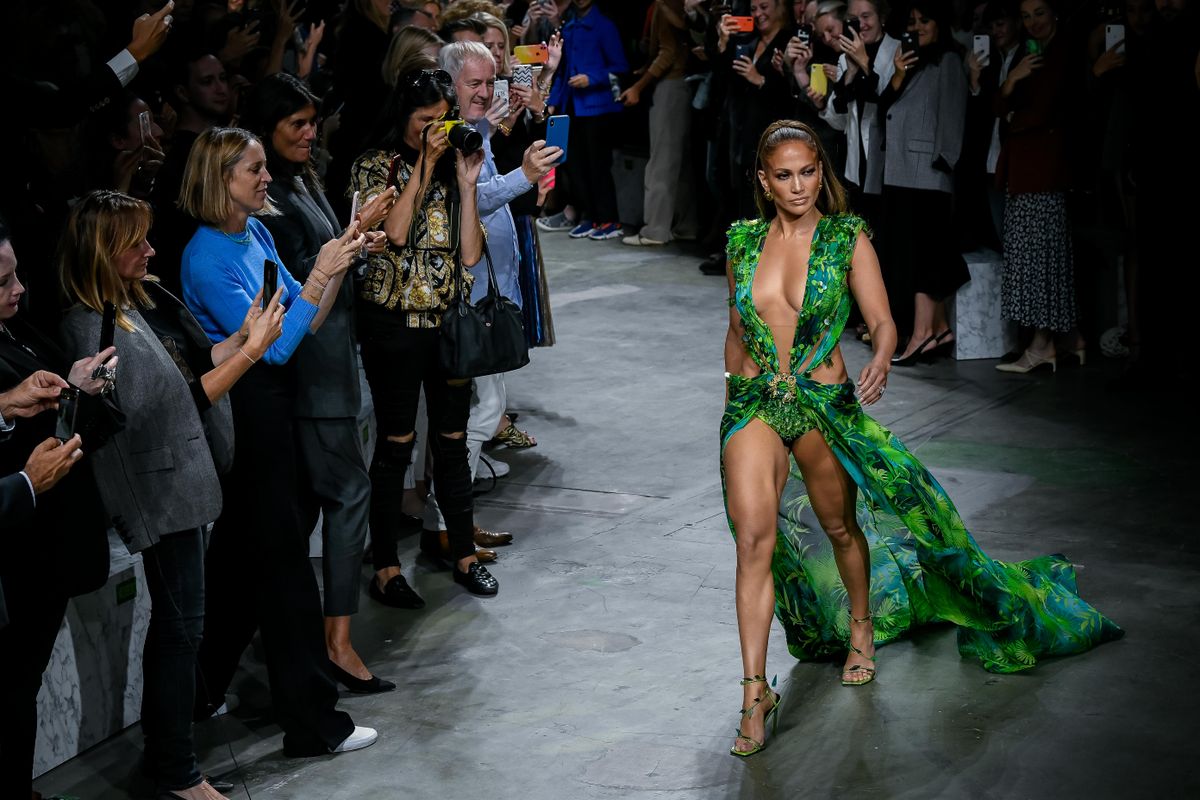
495	192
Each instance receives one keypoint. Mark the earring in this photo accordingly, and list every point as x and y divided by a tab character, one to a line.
767	192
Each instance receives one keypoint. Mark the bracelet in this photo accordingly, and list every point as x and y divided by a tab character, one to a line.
248	358
507	131
320	285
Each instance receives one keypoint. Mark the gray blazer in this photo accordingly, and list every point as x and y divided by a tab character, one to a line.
326	361
925	125
157	476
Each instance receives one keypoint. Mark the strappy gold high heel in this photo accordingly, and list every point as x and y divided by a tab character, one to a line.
860	675
771	718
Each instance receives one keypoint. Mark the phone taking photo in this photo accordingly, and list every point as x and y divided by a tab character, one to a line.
108	327
270	281
68	404
908	42
817	79
144	129
1114	36
981	46
558	131
500	95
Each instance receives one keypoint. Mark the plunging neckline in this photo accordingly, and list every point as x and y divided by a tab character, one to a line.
812	251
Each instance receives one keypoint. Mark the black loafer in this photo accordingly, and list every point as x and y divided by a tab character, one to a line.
396	593
477	580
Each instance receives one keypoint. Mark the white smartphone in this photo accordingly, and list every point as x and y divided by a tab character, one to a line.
982	47
500	98
353	209
144	129
1114	34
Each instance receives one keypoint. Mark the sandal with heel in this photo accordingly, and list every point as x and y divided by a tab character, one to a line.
860	674
771	717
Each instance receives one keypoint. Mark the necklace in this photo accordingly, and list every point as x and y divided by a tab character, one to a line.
242	238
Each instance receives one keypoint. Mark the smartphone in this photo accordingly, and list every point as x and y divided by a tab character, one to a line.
853	24
804	33
1114	36
817	79
537	71
353	208
68	404
558	131
982	47
108	327
908	42
743	24
744	50
144	122
270	281
1033	47
532	53
500	97
522	75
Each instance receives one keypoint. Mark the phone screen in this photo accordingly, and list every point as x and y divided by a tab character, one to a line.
108	327
270	281
982	46
144	127
68	403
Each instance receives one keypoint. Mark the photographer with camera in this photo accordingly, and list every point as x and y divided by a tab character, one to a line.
420	149
61	549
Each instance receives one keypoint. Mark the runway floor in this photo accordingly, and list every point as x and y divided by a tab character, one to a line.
608	665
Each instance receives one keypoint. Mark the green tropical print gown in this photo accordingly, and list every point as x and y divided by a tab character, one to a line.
925	566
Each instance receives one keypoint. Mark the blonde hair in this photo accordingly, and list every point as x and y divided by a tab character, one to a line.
497	24
461	9
103	225
205	190
404	54
832	197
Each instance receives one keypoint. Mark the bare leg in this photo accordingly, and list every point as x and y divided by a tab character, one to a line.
924	308
756	469
341	651
833	495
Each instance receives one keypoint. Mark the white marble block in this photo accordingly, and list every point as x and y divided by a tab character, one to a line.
92	687
974	312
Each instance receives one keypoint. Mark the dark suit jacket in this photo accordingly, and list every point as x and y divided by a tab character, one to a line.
156	476
327	361
66	535
1035	153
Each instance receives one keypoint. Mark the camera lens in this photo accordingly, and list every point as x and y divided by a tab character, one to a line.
465	138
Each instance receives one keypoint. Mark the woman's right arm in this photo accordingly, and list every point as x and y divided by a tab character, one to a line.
233	357
398	221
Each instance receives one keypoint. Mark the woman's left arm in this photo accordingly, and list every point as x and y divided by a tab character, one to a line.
866	284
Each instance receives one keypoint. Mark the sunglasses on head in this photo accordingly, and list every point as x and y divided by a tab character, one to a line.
431	76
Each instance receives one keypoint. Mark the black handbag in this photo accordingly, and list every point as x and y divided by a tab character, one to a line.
484	338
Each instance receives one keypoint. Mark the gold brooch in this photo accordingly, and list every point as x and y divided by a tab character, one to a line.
784	386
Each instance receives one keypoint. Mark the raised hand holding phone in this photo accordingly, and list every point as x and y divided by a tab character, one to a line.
270	282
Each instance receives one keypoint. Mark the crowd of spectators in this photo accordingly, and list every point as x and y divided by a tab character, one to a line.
157	155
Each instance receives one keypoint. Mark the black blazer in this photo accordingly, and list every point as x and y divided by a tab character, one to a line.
66	535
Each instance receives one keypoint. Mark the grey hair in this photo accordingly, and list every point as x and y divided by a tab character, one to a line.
455	56
831	7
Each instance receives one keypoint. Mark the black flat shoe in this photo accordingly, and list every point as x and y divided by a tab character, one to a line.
396	593
477	580
373	685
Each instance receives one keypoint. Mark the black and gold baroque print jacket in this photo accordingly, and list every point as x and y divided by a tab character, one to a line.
422	275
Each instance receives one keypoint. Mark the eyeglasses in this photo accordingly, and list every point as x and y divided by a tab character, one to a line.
431	76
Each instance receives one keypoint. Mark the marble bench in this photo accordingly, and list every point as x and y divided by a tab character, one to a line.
974	312
92	688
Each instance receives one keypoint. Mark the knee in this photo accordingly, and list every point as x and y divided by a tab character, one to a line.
456	435
755	537
841	534
403	438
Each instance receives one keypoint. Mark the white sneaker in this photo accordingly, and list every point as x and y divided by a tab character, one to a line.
362	737
637	240
499	468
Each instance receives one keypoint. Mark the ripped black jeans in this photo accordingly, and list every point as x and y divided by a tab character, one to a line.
399	362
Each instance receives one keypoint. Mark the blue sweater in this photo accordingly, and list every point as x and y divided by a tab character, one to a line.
592	47
221	276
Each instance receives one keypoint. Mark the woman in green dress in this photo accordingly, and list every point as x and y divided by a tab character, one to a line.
895	551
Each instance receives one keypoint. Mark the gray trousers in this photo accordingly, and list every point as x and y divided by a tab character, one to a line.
336	484
666	183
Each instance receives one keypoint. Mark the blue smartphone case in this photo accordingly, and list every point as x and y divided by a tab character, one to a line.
558	129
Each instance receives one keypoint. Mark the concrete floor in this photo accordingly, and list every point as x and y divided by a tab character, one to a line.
608	665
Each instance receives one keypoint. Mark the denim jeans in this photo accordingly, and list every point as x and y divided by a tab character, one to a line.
175	577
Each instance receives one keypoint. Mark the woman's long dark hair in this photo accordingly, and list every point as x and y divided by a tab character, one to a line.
414	89
941	12
275	98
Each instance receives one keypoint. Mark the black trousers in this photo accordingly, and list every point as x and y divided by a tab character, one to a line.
35	613
175	577
258	575
589	162
399	362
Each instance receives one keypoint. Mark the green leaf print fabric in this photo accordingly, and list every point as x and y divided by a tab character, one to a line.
925	566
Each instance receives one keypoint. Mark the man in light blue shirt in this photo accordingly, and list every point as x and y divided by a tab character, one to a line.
473	70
